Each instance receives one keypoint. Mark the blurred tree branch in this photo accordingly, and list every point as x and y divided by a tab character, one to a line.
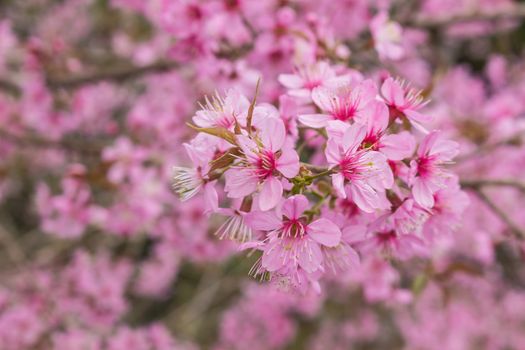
476	184
117	74
514	140
516	11
67	144
513	227
10	87
12	248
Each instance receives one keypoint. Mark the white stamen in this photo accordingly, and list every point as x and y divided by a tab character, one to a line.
186	182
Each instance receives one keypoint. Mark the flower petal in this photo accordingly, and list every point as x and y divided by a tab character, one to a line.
270	194
325	232
375	116
332	152
263	220
309	255
239	183
274	256
392	92
273	134
315	120
291	81
211	197
294	206
364	196
354	233
422	193
398	146
338	181
353	137
323	97
248	147
288	162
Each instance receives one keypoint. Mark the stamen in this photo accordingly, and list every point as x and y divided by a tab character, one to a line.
186	182
235	229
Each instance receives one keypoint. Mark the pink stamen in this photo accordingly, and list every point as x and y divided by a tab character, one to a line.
352	167
293	228
266	164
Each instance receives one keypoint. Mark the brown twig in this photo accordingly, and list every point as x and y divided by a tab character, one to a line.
12	247
10	87
513	227
115	74
515	140
315	168
479	183
64	144
516	11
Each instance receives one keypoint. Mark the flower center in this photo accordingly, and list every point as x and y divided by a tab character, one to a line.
348	207
425	166
370	142
352	167
225	122
293	228
386	237
312	84
195	12
232	5
345	111
266	164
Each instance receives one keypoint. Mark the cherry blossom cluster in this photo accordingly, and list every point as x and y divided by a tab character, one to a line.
374	174
286	177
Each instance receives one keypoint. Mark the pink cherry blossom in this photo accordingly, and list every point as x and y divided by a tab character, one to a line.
450	203
402	100
184	18
267	158
293	242
376	118
219	112
382	238
132	206
308	77
366	171
428	172
187	182
387	36
345	102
